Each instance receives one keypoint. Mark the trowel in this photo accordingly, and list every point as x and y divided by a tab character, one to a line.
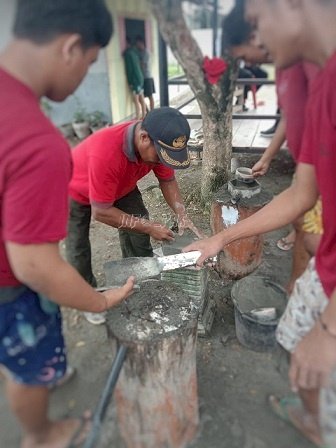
118	271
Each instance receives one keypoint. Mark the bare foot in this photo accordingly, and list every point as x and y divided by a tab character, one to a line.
60	434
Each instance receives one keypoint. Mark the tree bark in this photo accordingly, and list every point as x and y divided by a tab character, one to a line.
215	101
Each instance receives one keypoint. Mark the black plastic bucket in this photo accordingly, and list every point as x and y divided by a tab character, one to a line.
258	305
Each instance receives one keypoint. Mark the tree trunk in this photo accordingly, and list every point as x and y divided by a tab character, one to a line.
215	101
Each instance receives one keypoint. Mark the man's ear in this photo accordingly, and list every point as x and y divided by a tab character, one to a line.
144	136
71	45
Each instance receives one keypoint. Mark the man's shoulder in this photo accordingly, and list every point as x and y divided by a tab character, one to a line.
105	143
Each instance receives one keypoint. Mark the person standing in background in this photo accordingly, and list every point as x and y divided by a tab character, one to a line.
135	78
144	55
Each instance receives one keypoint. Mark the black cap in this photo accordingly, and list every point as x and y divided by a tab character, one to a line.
170	131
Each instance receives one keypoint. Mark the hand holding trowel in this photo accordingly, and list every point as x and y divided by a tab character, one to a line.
118	271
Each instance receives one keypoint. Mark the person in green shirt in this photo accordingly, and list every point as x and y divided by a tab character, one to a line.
135	78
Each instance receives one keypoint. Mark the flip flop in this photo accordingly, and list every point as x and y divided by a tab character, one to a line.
77	438
280	408
285	245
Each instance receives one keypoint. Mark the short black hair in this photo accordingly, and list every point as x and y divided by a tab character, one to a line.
235	29
42	20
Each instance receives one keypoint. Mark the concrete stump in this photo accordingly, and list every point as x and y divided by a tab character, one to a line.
243	256
156	395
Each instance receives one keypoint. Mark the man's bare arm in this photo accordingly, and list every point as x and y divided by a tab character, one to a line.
41	267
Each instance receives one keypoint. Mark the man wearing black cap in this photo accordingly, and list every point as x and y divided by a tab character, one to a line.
107	167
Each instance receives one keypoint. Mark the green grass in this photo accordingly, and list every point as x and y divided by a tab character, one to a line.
174	69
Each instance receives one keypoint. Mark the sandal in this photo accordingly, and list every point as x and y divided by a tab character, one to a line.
285	245
281	406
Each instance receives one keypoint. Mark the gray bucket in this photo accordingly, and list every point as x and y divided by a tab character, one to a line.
258	305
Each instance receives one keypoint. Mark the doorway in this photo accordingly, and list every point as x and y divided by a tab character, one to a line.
134	28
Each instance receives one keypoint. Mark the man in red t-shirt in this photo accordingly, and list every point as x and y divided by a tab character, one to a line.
107	167
53	46
292	90
292	31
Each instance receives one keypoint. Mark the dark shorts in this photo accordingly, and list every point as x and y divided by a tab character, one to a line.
149	87
31	342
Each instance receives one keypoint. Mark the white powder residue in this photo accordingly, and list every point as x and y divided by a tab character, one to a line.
157	317
168	328
230	215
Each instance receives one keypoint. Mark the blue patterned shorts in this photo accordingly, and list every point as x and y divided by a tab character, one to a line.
31	342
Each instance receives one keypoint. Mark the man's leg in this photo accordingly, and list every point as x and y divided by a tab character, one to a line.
307	301
300	256
134	244
30	406
78	247
151	102
137	106
143	105
327	417
32	361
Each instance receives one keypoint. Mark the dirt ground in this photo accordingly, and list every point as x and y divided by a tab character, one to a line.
234	382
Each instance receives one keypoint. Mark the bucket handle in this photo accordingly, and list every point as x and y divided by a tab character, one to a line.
275	286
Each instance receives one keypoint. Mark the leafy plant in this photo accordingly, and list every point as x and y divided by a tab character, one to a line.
80	116
97	118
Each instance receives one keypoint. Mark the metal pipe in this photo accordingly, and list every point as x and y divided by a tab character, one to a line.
163	72
186	103
244	81
239	116
215	28
104	401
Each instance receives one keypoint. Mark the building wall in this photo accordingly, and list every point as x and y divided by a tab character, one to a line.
92	95
121	99
7	9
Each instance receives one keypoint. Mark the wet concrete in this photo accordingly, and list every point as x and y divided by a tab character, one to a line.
259	200
157	310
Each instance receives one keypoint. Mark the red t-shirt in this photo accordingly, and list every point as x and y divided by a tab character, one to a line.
319	149
106	167
292	88
35	169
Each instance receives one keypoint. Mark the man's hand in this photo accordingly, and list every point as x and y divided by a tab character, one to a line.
184	222
116	295
160	233
260	168
208	247
313	360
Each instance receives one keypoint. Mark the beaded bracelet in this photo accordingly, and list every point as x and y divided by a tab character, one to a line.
325	328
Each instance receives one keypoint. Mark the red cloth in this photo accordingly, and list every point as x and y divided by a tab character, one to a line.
103	171
35	169
214	69
319	149
292	89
